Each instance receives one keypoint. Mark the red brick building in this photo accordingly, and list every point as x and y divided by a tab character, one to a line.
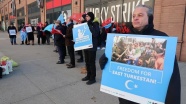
169	15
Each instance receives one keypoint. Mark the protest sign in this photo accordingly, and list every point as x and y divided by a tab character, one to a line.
12	32
28	29
139	67
82	37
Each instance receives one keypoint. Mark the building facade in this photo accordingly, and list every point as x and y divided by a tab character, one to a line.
56	7
169	15
18	11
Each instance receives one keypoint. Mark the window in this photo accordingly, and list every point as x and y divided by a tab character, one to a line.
19	1
11	5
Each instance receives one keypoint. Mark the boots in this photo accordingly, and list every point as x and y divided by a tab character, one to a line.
22	43
26	42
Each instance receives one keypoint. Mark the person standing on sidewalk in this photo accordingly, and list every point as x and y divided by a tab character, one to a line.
60	42
69	43
90	54
23	33
30	32
12	31
39	33
47	34
44	35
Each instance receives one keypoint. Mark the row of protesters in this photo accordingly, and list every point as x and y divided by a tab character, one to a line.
12	31
43	36
90	54
142	24
27	34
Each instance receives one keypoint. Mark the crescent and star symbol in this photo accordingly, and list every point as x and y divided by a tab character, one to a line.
131	87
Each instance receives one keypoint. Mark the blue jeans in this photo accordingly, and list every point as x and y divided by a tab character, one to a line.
13	40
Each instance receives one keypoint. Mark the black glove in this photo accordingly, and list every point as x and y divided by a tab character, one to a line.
102	61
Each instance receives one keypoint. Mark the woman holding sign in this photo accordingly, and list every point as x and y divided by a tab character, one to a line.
12	34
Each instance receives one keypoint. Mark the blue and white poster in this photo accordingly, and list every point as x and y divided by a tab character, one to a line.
82	37
139	67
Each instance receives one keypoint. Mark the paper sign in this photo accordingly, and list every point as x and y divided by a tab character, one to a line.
28	29
12	32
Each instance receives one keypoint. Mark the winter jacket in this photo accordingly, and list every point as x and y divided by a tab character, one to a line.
59	39
12	28
69	35
95	30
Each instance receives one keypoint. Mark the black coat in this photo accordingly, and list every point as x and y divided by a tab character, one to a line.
95	30
69	35
39	31
20	27
59	39
174	89
12	28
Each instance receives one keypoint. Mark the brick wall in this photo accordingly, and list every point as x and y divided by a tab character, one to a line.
169	17
183	54
77	8
23	3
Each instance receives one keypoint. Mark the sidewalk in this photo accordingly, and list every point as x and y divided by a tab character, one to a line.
38	80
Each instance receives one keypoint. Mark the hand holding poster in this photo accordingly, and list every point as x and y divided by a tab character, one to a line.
12	32
82	37
139	68
28	29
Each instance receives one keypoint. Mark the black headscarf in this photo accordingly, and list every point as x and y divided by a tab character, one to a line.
91	16
84	17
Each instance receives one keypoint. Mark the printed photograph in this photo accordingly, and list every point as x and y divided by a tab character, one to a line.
144	52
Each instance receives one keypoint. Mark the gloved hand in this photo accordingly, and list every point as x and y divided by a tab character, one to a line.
103	61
